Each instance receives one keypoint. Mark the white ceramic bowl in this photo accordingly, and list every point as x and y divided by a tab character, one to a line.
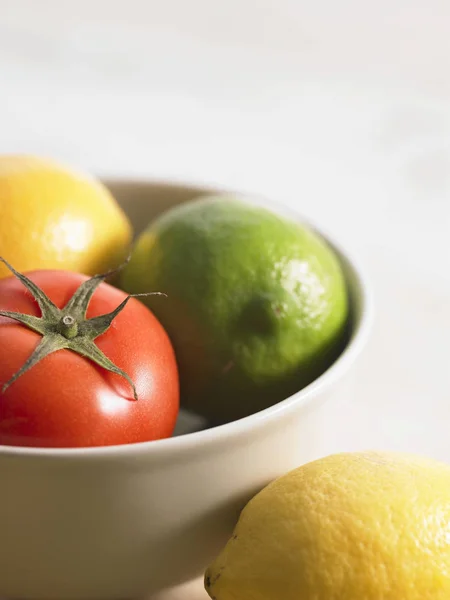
123	522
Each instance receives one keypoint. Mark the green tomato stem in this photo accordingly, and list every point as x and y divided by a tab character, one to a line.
68	327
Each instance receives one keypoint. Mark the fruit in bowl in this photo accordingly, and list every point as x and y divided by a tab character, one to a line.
87	332
256	304
125	521
55	217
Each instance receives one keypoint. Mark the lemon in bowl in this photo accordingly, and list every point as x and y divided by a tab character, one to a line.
55	217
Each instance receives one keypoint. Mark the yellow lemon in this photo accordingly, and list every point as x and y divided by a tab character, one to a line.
352	526
54	218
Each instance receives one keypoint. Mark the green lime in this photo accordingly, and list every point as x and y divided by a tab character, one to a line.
256	304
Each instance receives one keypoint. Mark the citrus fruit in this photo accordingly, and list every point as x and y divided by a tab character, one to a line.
352	526
256	304
55	218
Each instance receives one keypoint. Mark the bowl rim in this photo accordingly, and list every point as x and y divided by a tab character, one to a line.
238	428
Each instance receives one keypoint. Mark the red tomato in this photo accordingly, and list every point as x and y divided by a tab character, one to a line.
66	400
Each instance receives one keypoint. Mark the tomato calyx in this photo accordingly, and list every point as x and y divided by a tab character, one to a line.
68	328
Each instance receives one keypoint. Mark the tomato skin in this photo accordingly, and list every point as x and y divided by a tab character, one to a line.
66	400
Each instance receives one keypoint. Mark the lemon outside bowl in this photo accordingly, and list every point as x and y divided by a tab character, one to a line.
124	522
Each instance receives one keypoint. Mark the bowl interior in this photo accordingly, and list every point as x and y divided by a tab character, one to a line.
143	201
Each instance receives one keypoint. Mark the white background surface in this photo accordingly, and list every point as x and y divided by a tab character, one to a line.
340	108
